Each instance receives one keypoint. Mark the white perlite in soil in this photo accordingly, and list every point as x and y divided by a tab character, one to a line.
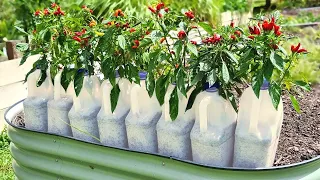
141	131
252	152
58	120
36	113
112	130
174	137
84	124
213	148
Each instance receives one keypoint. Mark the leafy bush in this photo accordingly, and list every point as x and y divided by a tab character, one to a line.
6	171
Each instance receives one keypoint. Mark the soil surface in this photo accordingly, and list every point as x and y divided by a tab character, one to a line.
300	133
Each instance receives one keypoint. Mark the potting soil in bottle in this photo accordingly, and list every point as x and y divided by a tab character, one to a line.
258	129
35	105
83	114
142	118
212	136
174	135
59	107
112	126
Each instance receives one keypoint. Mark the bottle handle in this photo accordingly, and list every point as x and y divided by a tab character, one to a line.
134	99
57	87
106	90
254	115
203	113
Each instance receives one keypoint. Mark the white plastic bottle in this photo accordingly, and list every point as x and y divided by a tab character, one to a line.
59	107
112	128
212	136
83	114
35	105
174	136
258	129
142	119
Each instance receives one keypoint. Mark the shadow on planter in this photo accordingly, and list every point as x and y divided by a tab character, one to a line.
39	155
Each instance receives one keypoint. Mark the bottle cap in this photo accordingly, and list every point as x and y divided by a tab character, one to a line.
117	74
86	72
265	85
214	87
143	75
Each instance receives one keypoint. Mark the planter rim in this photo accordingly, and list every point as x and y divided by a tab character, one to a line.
159	155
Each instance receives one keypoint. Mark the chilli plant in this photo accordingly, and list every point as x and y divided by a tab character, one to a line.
265	58
76	42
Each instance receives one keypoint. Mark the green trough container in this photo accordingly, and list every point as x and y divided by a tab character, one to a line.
46	156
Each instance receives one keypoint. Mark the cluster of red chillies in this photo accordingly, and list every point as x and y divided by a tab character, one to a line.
216	38
189	14
78	37
87	9
267	26
46	12
236	33
156	10
118	13
136	44
297	49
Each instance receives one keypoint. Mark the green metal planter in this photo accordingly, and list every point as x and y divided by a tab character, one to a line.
39	155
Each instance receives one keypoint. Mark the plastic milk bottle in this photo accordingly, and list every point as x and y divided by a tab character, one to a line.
83	114
35	105
59	107
212	136
142	118
258	129
112	126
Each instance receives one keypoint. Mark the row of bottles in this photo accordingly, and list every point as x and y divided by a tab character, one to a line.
210	133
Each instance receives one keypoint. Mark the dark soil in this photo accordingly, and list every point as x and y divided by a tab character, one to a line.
300	133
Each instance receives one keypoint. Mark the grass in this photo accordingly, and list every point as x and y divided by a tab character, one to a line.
6	171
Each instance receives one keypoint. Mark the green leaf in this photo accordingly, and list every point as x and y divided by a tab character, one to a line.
31	71
193	95
25	57
155	35
268	70
22	47
247	55
78	82
181	82
276	60
283	50
257	81
21	30
192	48
197	78
231	56
66	77
303	85
174	104
114	96
232	100
177	47
150	83
47	36
275	94
42	78
206	27
122	42
161	88
295	103
225	72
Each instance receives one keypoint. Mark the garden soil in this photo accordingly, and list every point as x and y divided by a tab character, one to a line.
300	133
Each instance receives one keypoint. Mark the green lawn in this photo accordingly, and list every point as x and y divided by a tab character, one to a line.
6	172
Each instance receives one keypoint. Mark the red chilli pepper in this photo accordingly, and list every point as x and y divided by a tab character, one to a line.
160	6
181	34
